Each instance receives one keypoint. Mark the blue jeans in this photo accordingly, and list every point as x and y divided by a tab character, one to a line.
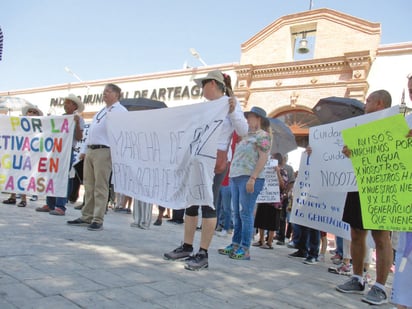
309	241
226	200
60	202
243	207
339	245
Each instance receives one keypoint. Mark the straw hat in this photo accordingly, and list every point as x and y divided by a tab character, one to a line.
72	97
25	109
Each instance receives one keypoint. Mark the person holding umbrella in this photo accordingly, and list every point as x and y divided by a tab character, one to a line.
28	110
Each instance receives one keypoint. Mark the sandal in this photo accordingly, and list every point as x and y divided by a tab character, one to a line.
10	201
266	246
22	204
257	244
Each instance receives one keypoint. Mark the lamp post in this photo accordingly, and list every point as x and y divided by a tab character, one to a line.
197	55
68	70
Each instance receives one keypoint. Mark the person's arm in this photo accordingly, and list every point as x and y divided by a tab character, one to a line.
260	165
78	131
237	118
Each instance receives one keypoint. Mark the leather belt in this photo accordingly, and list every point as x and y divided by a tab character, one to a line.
97	146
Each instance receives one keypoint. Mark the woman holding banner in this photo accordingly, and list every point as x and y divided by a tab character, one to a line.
215	85
247	180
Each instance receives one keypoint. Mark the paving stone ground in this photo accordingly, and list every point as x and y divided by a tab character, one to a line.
44	263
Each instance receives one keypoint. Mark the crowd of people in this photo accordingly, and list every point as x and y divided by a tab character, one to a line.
244	144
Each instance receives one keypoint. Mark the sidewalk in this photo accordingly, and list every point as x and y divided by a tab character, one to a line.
44	263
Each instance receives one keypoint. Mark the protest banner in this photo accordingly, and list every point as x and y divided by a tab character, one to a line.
330	169
270	192
80	144
321	210
167	156
35	154
381	157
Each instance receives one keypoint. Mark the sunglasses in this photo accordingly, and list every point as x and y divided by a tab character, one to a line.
32	111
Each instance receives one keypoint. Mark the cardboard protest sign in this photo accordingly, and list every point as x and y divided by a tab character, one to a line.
270	192
330	169
320	210
382	161
35	154
167	156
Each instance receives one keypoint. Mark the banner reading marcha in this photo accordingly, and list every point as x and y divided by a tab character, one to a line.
381	158
167	156
35	154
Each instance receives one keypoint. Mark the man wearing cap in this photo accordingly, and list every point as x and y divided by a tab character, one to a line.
215	85
72	106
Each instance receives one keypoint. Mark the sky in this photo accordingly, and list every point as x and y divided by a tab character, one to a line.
98	39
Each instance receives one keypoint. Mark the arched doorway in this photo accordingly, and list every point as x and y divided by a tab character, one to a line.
299	120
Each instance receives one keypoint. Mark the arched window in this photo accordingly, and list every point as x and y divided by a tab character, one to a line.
299	121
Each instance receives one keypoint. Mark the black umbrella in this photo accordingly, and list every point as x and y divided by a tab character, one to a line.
141	104
336	108
283	139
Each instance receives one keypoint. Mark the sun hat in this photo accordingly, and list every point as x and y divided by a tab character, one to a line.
25	110
215	75
72	97
257	111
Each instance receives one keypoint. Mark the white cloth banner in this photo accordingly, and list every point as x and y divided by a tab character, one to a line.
167	156
321	211
270	192
330	169
35	154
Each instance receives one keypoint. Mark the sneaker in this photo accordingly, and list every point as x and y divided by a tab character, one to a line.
158	222
95	226
336	259
298	254
337	262
198	261
222	233
291	245
78	222
375	296
22	204
228	250
342	269
45	208
352	286
240	254
177	254
57	212
280	243
310	261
